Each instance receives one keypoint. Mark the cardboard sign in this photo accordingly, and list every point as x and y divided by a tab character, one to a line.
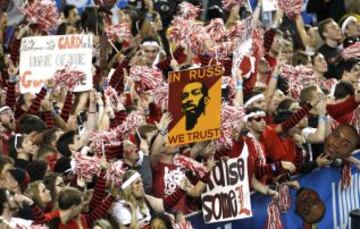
41	57
227	195
270	5
194	104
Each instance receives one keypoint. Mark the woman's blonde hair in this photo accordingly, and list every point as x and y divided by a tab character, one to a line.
127	193
33	190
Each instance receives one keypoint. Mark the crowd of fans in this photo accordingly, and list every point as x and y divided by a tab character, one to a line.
44	135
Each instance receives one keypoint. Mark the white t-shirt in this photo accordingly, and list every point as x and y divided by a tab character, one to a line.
305	134
122	214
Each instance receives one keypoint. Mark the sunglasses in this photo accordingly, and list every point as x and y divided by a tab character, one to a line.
258	119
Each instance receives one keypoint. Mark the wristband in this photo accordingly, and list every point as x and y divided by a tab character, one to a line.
322	118
13	79
275	77
239	87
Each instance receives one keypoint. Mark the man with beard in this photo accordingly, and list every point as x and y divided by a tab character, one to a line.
194	100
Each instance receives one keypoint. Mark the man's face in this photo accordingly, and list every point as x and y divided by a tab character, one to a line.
7	120
320	64
150	53
275	47
131	153
309	205
260	103
354	75
333	32
353	29
276	99
192	97
73	17
258	123
77	143
340	143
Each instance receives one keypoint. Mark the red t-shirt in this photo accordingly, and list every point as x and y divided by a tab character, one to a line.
167	176
277	148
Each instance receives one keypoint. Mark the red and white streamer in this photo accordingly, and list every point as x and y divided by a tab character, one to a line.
106	138
118	31
132	122
273	219
229	4
188	10
150	78
43	13
229	116
161	95
115	173
298	77
68	77
291	7
284	200
352	51
86	167
190	164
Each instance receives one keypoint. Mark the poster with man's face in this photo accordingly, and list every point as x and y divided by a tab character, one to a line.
194	104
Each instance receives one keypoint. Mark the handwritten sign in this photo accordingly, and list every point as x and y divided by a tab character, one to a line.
227	196
41	57
194	104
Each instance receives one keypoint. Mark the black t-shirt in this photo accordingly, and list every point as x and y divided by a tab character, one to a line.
331	54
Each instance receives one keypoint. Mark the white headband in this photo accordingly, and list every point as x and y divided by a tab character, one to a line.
254	99
129	181
151	43
346	22
254	114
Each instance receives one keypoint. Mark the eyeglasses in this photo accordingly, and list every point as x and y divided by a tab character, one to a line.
258	119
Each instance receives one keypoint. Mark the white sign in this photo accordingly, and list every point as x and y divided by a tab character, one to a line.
227	195
270	5
41	57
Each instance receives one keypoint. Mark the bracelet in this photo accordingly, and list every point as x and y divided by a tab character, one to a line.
162	132
239	87
275	77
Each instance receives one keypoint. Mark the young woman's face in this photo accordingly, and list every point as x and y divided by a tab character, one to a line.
59	184
44	194
138	188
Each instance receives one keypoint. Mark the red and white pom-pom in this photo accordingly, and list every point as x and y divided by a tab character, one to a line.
291	7
119	31
346	176
179	31
355	122
284	198
215	29
190	164
273	218
43	13
161	95
188	10
197	36
298	77
182	225
150	78
36	226
133	121
237	31
104	138
111	94
67	77
230	115
257	43
229	4
86	167
115	173
351	51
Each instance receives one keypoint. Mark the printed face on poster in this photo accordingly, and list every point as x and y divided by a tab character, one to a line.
194	104
41	57
227	195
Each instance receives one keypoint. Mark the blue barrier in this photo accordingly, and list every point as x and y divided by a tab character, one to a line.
325	181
